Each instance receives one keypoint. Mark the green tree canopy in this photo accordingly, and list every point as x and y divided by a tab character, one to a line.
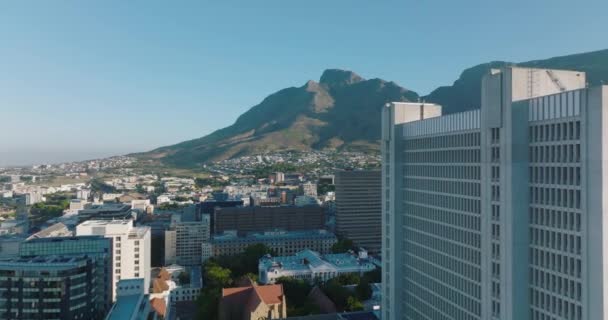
342	245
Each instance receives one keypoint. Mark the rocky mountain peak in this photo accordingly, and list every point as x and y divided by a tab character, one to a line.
339	78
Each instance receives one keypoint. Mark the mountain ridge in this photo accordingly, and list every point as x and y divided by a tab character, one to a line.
342	111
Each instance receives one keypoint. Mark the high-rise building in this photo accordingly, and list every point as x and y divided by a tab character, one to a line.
184	240
130	248
96	248
52	287
358	207
497	213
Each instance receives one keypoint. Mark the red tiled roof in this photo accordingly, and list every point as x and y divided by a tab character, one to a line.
270	294
250	297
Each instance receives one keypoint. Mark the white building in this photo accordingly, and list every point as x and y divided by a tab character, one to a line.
309	189
83	194
498	213
131	247
77	204
311	266
110	196
140	204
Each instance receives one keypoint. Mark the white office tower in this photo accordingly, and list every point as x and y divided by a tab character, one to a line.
130	245
498	213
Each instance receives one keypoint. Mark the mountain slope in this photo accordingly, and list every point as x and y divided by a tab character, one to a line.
339	111
465	93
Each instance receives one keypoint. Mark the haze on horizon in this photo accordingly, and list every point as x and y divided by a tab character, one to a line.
85	80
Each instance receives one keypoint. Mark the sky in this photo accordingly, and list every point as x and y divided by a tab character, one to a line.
89	79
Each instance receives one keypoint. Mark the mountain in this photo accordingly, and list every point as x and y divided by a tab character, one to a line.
342	110
465	93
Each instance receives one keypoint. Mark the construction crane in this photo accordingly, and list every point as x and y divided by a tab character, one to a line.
556	81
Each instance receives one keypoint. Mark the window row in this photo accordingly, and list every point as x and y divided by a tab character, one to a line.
555	305
462	220
445	298
569	176
556	219
560	153
471	189
447	141
446	172
444	201
443	156
444	253
566	243
565	198
447	232
421	303
563	131
448	277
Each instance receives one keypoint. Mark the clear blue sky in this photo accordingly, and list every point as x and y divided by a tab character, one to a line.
93	78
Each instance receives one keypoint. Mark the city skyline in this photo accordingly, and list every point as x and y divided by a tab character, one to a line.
129	78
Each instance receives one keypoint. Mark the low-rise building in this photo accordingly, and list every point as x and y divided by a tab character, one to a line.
312	266
280	241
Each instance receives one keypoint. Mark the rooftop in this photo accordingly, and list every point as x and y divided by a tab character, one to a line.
277	234
308	259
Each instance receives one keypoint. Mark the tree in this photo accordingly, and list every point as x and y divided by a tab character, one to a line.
363	290
139	188
348	278
216	276
337	293
184	278
207	304
353	304
296	290
374	276
342	245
